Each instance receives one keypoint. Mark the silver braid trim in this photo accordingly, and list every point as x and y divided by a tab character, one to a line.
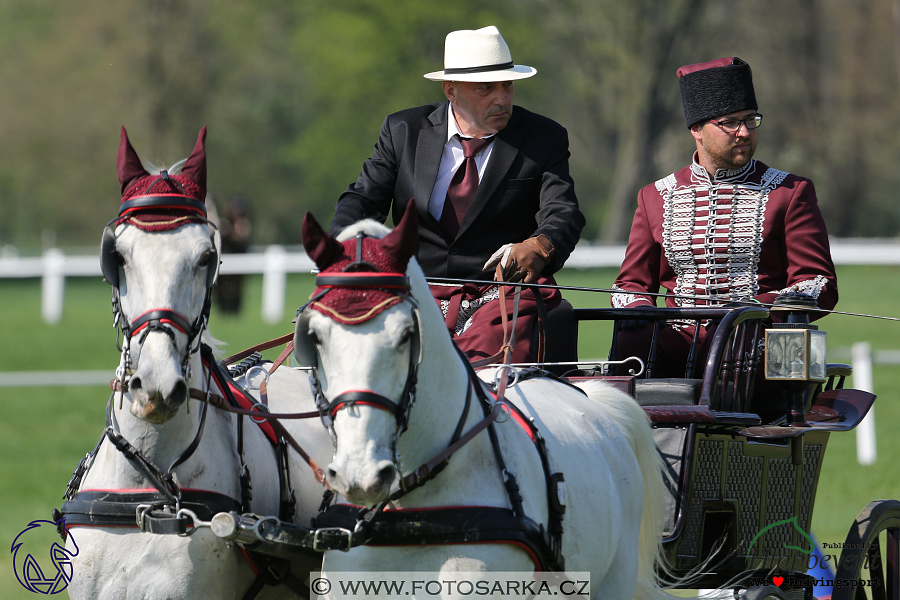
467	309
813	287
623	300
713	233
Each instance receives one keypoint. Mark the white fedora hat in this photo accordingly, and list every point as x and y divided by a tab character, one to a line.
478	55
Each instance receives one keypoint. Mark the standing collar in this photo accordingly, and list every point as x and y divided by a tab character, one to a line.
721	175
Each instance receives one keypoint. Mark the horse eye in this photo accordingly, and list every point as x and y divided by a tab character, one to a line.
120	260
314	338
204	260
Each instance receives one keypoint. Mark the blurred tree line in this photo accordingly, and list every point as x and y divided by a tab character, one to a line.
294	94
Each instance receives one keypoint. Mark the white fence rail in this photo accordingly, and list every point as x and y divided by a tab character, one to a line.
276	262
861	355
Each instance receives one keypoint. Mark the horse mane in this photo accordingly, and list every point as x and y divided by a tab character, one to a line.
217	346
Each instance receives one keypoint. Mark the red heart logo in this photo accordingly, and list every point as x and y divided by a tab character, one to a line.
778	581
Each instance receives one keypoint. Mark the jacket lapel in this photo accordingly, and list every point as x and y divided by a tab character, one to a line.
429	147
506	148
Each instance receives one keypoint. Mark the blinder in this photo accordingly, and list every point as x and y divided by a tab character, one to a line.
109	256
304	344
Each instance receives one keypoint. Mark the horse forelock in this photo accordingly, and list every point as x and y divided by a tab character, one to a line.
370	227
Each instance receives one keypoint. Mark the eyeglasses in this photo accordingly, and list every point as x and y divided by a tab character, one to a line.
732	125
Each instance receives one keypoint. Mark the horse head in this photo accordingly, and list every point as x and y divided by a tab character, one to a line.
361	332
161	259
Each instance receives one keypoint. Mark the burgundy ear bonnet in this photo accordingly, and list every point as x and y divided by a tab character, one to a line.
352	288
162	202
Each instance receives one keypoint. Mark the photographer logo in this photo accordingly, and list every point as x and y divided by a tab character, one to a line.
35	572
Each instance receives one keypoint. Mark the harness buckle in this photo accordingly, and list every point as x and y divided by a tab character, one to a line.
422	474
332	531
140	514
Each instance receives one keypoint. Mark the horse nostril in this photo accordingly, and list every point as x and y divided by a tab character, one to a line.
386	474
134	384
179	392
330	474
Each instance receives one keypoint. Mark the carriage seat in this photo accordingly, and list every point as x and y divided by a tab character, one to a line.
667	392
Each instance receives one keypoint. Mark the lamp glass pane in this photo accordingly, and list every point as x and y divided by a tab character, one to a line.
786	354
817	348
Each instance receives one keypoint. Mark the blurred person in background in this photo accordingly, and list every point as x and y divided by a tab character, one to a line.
235	228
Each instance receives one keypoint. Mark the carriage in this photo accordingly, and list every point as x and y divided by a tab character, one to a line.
742	435
744	447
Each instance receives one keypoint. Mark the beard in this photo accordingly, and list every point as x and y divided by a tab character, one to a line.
727	158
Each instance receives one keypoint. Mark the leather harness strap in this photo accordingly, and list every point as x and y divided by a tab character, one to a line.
143	509
279	341
447	525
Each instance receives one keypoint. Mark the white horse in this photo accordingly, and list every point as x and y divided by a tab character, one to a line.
601	441
163	272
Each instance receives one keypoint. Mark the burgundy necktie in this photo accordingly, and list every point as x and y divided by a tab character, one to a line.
463	185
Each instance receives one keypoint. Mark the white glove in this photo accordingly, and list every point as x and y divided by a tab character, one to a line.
501	257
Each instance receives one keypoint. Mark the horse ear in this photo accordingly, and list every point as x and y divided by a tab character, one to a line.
194	168
321	247
128	165
401	243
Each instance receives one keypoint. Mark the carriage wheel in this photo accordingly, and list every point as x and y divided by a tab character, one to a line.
764	592
864	558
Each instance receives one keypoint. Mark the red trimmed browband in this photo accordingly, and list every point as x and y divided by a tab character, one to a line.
165	201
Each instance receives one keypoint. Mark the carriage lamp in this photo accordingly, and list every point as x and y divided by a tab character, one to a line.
795	349
795	352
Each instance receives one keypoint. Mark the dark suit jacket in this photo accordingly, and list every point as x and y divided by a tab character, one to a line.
525	191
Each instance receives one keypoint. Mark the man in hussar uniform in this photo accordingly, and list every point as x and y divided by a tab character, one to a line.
726	227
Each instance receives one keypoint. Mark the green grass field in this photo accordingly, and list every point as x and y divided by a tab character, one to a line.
46	430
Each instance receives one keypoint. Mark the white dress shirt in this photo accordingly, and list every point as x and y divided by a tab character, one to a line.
451	159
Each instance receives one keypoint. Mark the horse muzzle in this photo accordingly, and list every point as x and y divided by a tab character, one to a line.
365	483
153	406
158	387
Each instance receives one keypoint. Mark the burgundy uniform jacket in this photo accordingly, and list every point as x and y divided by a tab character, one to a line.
749	233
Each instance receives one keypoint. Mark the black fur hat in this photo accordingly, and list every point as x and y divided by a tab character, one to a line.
715	88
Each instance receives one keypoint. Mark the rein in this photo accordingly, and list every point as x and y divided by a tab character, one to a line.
717	299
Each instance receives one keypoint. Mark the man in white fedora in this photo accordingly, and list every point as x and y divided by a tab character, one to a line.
490	181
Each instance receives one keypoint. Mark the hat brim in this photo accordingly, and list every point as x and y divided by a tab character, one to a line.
516	72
